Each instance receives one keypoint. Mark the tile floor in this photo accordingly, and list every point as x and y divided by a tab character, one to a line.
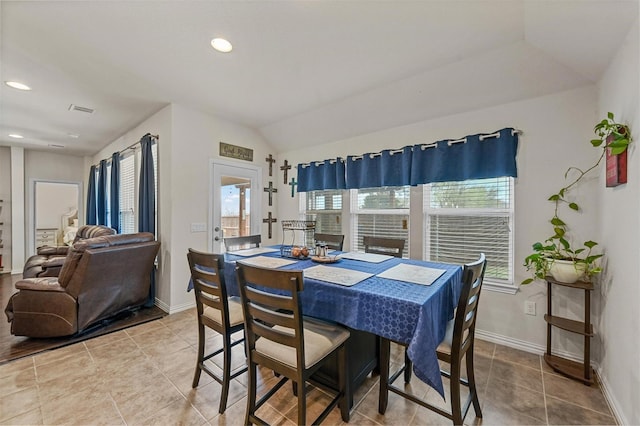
142	375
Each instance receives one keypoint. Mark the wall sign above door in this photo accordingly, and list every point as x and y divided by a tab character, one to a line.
237	152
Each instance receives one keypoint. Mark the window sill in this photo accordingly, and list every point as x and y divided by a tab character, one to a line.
499	287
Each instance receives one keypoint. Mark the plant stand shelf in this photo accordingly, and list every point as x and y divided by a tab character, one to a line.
581	371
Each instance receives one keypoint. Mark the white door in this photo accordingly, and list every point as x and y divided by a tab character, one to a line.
235	202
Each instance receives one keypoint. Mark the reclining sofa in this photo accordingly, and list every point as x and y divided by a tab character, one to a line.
100	278
48	260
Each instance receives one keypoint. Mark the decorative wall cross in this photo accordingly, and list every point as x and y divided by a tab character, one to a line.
269	220
271	190
286	167
270	160
293	184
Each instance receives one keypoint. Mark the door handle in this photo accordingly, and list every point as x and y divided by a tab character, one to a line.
217	228
216	238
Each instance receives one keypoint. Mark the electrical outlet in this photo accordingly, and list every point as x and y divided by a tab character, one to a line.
530	307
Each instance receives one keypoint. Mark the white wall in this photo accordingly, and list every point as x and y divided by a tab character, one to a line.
618	327
557	130
189	139
196	138
158	124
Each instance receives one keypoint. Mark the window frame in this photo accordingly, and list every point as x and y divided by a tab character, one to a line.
505	286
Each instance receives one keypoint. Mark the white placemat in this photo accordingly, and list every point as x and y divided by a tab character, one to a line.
366	257
346	277
253	251
267	262
412	274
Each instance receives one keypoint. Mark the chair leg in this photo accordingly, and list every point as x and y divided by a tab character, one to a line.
383	397
302	403
408	367
454	385
471	378
201	338
226	372
343	383
251	393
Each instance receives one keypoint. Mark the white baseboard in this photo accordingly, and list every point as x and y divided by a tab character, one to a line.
174	309
540	350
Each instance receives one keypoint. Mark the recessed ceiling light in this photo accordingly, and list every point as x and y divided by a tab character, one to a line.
73	135
17	85
16	136
221	45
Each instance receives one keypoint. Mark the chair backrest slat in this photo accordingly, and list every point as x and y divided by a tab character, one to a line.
467	310
279	307
379	245
333	241
208	283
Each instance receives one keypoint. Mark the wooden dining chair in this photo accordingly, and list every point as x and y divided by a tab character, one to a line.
379	245
333	241
458	342
237	243
279	338
218	312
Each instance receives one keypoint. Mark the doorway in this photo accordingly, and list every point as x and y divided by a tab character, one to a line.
55	213
235	202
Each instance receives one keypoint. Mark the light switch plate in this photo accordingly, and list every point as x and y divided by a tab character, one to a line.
198	227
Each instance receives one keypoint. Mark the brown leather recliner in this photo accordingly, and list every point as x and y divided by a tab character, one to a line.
48	260
100	278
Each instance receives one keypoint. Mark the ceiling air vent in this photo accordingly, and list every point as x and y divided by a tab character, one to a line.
53	145
73	107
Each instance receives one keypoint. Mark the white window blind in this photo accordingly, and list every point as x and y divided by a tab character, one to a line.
463	219
127	194
380	212
325	208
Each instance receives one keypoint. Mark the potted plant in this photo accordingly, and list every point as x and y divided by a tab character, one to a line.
556	255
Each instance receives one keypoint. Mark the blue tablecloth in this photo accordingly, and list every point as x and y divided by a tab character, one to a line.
412	314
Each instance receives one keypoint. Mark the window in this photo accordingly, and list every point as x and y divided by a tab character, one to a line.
127	194
129	182
325	208
380	212
463	219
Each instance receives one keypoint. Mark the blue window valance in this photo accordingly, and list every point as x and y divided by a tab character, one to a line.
472	157
319	175
387	168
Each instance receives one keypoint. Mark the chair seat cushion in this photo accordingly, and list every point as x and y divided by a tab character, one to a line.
447	342
320	339
235	312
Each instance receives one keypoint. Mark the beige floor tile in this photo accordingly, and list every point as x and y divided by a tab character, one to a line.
78	365
522	376
144	328
13	367
60	355
20	379
206	399
33	417
180	412
106	339
400	411
61	387
563	413
82	408
576	393
316	402
358	419
493	414
507	395
484	347
18	403
519	357
142	399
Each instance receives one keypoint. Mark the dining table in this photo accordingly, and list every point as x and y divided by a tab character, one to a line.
405	300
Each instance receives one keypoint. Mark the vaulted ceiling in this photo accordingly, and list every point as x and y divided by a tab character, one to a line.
301	72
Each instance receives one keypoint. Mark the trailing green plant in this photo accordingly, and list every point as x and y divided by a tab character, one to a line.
557	246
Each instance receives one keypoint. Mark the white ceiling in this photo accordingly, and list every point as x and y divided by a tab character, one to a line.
301	72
